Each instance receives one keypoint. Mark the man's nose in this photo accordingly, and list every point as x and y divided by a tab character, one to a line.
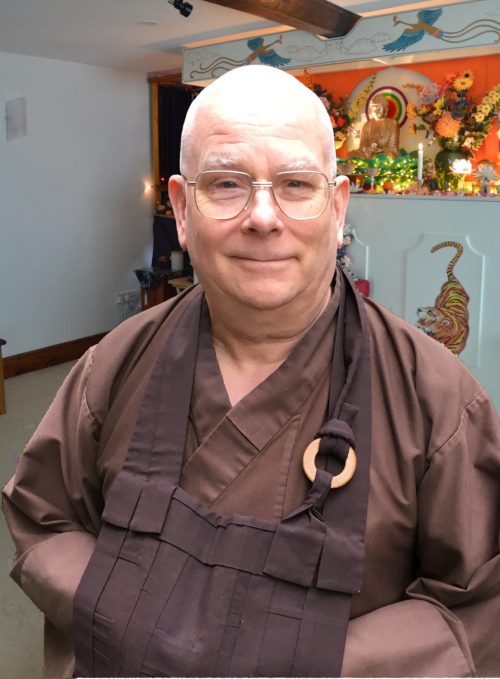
262	213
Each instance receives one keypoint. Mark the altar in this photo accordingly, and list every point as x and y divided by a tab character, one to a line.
429	257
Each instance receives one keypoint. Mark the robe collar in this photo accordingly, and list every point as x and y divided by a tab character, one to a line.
263	412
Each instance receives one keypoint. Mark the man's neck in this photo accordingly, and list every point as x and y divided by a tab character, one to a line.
251	344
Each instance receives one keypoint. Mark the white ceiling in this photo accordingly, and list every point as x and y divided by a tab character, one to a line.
107	32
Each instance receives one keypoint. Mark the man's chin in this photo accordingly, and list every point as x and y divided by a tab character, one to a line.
266	298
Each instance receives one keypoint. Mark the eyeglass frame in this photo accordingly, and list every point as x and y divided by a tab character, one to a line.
331	183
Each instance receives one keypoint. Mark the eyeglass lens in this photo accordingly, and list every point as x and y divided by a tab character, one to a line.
223	195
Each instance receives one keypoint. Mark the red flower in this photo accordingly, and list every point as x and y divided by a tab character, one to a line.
340	121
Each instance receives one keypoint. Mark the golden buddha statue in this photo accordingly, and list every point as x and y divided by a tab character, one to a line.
379	134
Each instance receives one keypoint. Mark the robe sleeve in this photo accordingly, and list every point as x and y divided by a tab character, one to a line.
448	625
393	141
53	503
364	147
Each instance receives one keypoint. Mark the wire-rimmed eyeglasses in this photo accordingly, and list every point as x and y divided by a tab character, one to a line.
299	194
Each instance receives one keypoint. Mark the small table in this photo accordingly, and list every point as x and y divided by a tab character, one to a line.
155	285
180	284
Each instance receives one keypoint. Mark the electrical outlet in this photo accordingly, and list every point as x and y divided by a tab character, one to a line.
127	297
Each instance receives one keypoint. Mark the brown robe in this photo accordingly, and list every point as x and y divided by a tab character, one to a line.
430	602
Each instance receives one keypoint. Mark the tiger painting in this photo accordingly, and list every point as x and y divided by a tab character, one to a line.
448	320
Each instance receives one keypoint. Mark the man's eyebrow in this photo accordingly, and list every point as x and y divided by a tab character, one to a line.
297	164
215	161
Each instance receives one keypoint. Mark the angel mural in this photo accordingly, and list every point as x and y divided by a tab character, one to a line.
425	26
260	51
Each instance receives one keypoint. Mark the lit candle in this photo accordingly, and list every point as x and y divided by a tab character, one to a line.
420	166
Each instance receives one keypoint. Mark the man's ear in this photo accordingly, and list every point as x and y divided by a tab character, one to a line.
177	197
340	201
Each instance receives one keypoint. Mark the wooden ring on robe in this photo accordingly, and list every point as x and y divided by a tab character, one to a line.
339	480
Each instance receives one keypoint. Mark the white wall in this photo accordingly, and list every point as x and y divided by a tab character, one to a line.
74	219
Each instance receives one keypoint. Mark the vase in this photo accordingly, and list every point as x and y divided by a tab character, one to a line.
447	180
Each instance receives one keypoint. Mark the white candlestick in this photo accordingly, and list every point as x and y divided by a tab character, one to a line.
420	166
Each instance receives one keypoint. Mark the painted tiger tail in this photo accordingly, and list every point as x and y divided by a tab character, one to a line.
451	266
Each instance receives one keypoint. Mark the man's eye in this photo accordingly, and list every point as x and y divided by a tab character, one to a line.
296	186
224	188
226	184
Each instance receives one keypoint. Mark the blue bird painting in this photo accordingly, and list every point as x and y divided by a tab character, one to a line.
264	54
425	26
260	51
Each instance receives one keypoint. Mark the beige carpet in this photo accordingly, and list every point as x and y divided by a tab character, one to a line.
21	624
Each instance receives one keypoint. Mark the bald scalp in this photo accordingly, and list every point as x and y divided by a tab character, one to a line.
263	88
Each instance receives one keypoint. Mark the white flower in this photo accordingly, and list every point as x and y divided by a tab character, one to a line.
461	166
485	173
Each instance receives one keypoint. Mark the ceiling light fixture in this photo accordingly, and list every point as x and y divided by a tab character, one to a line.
185	8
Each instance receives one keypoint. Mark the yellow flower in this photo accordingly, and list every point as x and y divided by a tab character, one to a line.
359	102
463	81
411	111
484	109
492	98
438	106
478	117
447	126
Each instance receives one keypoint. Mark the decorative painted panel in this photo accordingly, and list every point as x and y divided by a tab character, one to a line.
444	292
394	239
435	29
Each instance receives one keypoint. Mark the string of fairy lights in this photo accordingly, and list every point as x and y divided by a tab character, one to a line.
382	172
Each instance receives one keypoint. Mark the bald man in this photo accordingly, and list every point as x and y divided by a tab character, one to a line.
267	475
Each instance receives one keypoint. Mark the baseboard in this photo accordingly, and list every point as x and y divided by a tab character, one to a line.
48	356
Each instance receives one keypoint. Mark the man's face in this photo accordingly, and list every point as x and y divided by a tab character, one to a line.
261	258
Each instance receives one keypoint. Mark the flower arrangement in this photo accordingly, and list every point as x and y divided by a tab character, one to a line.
358	104
338	111
342	258
449	114
342	114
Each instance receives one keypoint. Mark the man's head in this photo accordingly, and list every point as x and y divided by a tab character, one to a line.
259	121
258	86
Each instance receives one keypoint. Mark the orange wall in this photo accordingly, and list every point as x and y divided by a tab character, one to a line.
486	72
